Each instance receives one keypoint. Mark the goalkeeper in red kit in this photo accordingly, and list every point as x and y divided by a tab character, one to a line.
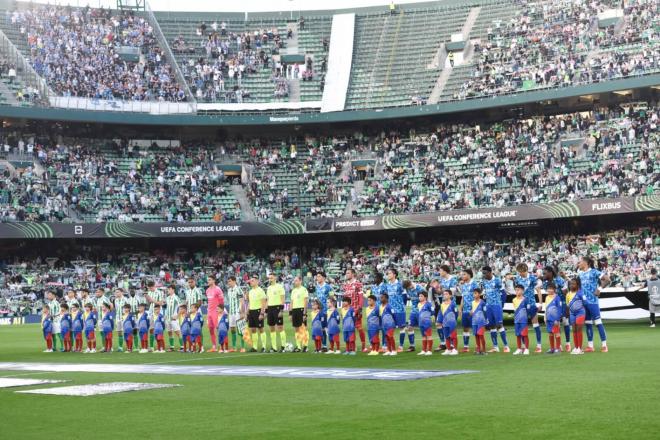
352	289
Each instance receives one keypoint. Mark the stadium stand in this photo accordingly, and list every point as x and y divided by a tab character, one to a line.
628	253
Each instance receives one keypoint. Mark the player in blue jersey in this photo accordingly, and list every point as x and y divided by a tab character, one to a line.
185	326
550	276
466	290
493	292
592	280
317	325
520	320
373	324
196	326
445	282
532	293
377	288
412	292
425	319
159	329
388	324
553	315
478	318
322	292
397	303
448	317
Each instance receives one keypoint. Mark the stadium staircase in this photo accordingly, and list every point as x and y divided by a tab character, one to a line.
241	197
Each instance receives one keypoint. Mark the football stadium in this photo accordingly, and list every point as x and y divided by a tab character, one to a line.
348	219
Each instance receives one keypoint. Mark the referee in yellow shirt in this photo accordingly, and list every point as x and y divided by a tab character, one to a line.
256	310
275	295
299	297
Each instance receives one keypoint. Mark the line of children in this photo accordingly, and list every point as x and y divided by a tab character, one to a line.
380	320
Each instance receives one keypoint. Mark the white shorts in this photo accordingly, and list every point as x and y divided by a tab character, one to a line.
172	326
233	318
56	327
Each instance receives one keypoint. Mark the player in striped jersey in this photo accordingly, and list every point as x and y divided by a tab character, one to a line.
71	299
154	296
236	305
120	302
193	294
54	309
171	314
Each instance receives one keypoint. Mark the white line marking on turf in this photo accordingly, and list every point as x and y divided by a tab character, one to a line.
30	374
207	358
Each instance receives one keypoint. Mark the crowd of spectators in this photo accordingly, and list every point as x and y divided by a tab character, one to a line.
614	153
548	45
78	52
627	255
216	69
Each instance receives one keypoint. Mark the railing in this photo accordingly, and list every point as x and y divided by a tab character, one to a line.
168	51
112	105
24	70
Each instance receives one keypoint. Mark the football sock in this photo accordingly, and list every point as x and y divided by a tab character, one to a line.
411	339
537	331
264	341
54	343
466	339
493	337
402	338
590	332
151	340
503	336
273	340
233	339
552	341
283	337
120	340
601	332
171	341
558	340
362	338
255	340
519	341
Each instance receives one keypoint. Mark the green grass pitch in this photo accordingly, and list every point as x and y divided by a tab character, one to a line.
598	395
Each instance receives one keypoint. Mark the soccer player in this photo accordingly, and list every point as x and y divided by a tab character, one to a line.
299	297
127	324
550	276
322	293
446	282
397	303
196	325
412	292
493	291
275	313
424	315
257	303
47	328
120	302
373	325
107	326
447	316
352	289
466	289
332	318
171	315
317	326
478	318
159	329
553	315
154	296
521	320
144	324
575	300
133	300
71	299
65	327
236	305
223	330
532	292
388	323
91	319
77	327
215	298
592	279
348	325
184	325
55	313
193	294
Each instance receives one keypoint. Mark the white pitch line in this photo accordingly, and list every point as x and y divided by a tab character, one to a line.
208	358
30	374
